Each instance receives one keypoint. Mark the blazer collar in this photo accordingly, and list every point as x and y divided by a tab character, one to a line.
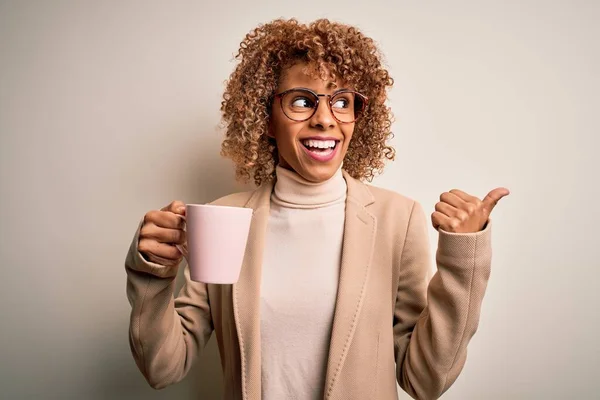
246	294
358	191
357	250
358	242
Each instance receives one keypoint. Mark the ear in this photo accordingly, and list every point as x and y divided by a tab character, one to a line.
270	132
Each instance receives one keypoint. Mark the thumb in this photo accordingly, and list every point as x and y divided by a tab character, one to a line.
494	197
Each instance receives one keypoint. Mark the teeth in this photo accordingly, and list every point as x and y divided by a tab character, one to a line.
320	144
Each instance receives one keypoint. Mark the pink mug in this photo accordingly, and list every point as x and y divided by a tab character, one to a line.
216	242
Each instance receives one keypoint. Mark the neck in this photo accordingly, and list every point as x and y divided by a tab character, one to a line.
293	191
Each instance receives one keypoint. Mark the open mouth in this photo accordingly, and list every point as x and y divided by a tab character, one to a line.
322	150
321	147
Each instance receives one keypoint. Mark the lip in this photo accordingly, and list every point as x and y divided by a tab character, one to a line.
318	157
320	138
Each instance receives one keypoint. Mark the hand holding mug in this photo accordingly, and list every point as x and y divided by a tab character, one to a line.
162	236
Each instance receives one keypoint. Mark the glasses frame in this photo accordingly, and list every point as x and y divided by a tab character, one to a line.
330	97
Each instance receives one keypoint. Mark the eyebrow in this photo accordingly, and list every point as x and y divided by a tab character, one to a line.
332	85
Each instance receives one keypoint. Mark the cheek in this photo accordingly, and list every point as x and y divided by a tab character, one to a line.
348	132
283	130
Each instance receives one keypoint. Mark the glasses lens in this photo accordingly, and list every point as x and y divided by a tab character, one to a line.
347	106
299	104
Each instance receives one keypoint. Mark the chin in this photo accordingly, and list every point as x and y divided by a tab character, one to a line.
318	173
312	171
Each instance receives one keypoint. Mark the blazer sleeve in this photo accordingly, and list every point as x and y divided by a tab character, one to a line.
433	323
166	334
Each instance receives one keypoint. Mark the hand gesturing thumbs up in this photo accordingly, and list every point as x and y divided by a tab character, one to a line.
460	212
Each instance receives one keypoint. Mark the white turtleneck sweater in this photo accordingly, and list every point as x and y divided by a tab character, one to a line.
299	284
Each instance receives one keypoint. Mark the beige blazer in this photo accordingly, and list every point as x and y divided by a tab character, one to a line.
391	323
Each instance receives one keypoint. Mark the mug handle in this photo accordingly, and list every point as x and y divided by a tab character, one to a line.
182	249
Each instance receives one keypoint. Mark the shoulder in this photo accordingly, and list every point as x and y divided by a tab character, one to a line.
396	213
239	199
254	199
390	202
381	202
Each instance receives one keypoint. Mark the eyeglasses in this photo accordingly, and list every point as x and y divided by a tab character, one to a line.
300	104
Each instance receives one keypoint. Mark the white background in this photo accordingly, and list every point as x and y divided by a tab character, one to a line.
110	109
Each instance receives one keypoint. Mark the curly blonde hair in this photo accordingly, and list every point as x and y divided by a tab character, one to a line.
332	47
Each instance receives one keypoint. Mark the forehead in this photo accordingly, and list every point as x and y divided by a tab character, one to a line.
304	75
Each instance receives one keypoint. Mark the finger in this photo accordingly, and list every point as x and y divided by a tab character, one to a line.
183	249
452	199
177	207
493	197
451	211
162	250
445	223
163	235
464	196
439	219
165	219
162	261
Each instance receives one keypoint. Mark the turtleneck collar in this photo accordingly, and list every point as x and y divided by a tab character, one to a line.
293	191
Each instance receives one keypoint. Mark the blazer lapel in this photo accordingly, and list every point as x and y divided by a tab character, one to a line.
358	242
246	294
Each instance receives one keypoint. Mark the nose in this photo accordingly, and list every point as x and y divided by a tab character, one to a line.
322	119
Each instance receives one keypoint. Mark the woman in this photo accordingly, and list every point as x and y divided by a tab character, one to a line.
333	300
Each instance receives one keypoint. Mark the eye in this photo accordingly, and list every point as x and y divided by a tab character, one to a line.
342	101
302	102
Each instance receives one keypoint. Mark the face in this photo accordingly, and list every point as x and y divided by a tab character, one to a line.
314	148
